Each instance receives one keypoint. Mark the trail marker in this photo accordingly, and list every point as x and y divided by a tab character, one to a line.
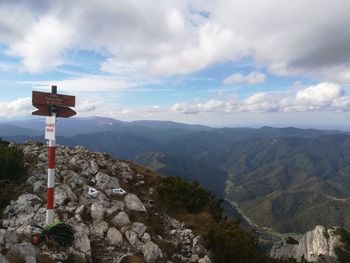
52	105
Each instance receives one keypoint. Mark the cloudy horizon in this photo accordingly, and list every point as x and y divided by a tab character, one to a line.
220	63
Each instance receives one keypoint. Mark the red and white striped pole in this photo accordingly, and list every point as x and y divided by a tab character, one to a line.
51	179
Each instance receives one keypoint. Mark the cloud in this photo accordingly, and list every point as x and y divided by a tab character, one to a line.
321	94
183	36
19	107
322	97
84	84
254	77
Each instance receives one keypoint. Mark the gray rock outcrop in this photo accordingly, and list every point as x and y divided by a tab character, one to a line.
318	245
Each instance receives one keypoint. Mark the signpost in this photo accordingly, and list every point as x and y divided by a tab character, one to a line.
52	105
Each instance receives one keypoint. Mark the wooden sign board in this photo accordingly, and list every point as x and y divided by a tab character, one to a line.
51	99
63	112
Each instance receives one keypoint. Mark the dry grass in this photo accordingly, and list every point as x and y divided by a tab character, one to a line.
198	222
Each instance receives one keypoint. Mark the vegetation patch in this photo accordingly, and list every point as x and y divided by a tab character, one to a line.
178	194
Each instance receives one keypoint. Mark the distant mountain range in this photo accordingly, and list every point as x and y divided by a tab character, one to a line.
286	178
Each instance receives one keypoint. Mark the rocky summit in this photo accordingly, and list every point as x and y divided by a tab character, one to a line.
108	202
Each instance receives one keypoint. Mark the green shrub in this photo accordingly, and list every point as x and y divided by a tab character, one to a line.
177	193
229	243
11	162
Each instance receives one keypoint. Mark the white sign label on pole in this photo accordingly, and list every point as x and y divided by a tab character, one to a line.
50	128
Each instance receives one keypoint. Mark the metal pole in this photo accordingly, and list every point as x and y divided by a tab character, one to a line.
51	180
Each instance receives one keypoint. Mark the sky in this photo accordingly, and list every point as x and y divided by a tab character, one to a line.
214	62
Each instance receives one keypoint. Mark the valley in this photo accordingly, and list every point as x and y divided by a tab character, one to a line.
286	179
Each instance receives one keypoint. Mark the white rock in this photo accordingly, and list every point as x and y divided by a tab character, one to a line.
98	211
151	252
8	238
106	182
121	219
117	206
3	259
99	229
131	236
64	194
134	203
25	250
74	180
146	238
39	187
114	237
139	228
93	167
206	259
82	243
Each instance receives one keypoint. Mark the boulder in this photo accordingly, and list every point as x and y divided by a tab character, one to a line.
139	228
134	203
131	236
116	207
64	194
22	211
99	229
3	259
151	252
206	259
146	237
82	243
24	250
114	237
74	180
8	238
93	167
98	211
106	182
121	219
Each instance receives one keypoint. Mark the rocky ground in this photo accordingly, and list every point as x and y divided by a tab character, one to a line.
109	226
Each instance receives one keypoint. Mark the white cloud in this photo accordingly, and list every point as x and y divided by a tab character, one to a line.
42	47
322	94
254	77
322	97
183	36
19	107
92	83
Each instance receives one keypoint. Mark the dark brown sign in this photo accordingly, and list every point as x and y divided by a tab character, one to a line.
51	99
44	110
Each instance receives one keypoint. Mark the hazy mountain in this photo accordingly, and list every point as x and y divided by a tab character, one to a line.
287	178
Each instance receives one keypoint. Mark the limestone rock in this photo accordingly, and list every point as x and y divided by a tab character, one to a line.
105	182
116	207
151	252
99	229
121	219
98	211
114	237
74	180
22	211
131	236
316	245
64	194
25	250
146	238
134	203
206	259
3	259
139	228
8	238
